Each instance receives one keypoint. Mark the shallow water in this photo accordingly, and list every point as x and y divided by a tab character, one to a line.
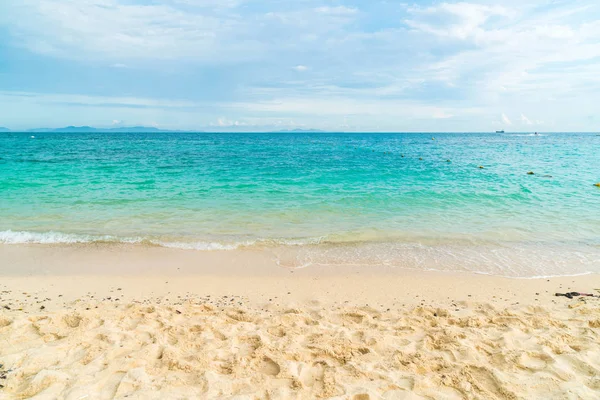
393	199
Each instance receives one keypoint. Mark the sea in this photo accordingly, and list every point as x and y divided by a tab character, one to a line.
514	205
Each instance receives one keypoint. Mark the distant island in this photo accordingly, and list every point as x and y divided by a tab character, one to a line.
4	129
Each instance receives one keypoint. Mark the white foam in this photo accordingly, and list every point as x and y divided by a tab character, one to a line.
527	135
22	237
51	237
202	246
290	242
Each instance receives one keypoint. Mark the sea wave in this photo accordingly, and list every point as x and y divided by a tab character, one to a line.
52	237
191	243
526	134
340	239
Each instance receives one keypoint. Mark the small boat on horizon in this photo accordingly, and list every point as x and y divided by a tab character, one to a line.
502	131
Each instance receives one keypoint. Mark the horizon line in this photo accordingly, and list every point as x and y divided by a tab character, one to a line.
159	130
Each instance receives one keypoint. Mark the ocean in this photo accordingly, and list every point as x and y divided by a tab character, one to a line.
403	200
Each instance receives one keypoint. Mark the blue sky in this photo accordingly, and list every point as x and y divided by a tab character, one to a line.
273	64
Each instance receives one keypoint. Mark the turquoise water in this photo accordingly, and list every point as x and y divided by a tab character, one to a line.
315	199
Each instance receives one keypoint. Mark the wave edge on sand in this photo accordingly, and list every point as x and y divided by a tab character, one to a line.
497	258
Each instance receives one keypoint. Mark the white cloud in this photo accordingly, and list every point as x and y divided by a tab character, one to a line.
446	63
506	120
342	107
121	30
224	122
339	10
275	103
455	20
513	54
526	120
208	3
441	114
264	113
207	31
95	101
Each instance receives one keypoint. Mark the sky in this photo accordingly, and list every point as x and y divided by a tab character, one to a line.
252	65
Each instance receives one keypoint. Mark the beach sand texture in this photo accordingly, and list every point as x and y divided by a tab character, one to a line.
168	324
197	348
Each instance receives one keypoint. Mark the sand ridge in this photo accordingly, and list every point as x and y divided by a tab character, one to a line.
196	348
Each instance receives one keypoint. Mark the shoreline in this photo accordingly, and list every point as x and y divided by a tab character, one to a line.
256	275
135	258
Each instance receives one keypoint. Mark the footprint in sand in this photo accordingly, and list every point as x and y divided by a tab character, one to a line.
72	321
248	345
355	317
534	361
311	375
277	331
269	367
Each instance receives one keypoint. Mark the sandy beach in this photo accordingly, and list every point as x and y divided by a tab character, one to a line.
104	322
272	200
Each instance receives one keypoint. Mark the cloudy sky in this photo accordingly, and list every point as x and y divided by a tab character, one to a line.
365	65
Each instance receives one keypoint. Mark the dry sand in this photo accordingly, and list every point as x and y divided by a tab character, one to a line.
147	323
